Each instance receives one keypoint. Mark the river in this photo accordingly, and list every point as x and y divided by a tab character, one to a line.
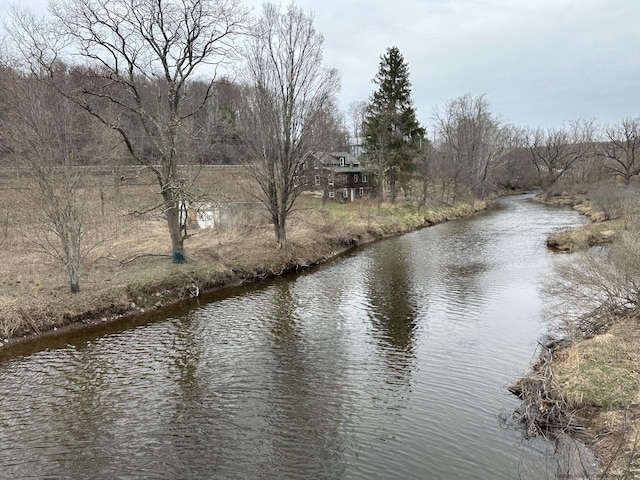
389	363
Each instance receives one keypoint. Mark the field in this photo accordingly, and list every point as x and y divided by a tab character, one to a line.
127	267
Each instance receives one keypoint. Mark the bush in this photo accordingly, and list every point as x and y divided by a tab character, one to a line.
616	202
604	283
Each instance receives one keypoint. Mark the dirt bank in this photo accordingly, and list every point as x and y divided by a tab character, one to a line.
135	275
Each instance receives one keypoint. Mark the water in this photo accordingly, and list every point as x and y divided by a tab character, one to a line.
390	363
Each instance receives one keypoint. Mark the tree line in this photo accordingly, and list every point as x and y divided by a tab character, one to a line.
162	83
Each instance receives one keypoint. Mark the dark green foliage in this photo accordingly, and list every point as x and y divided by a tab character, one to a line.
392	134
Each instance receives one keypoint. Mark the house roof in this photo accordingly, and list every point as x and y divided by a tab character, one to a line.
333	159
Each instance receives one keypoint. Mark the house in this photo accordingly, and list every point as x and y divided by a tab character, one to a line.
340	176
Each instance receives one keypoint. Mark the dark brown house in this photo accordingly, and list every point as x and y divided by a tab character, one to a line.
340	177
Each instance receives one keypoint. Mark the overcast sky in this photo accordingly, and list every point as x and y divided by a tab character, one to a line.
539	62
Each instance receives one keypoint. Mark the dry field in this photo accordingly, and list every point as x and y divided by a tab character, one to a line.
128	267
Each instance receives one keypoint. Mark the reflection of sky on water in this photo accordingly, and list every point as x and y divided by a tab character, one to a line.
388	363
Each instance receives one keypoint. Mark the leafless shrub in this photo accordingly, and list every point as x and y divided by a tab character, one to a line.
601	284
48	138
616	202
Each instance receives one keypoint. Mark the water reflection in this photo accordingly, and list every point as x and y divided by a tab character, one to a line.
374	366
393	305
304	405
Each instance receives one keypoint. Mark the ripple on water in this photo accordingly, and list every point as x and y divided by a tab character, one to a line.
390	363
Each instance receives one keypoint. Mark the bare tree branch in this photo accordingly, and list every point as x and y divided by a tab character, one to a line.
289	94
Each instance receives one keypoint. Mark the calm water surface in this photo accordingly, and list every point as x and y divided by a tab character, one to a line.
389	363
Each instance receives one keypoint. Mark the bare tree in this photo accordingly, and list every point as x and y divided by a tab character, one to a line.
555	151
289	91
136	60
473	140
48	138
357	116
425	171
620	145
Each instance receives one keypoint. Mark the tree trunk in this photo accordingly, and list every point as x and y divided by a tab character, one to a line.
74	286
73	269
392	186
172	212
281	231
380	190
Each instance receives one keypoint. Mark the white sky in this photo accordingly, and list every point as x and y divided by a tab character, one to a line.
540	62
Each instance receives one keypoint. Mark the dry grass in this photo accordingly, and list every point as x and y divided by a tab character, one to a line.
590	388
602	230
603	371
585	236
129	269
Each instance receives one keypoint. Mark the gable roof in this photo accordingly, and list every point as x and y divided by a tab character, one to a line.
334	159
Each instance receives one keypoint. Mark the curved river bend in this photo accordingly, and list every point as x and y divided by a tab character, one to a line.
388	363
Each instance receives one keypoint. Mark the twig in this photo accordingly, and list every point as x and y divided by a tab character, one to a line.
30	320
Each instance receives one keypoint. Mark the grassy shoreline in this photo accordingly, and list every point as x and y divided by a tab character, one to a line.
115	287
598	231
589	389
587	385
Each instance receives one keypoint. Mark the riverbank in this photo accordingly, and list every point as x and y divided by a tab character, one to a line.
589	388
600	230
132	274
587	385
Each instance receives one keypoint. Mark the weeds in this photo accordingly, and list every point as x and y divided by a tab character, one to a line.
588	384
130	264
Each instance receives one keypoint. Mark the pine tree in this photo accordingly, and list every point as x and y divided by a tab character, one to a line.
392	132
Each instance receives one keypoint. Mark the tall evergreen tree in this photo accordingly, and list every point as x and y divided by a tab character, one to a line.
392	132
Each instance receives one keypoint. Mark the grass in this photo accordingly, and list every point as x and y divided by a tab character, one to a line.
599	378
602	371
600	231
129	269
585	236
589	388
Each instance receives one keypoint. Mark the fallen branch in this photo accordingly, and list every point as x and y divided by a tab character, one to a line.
29	319
140	255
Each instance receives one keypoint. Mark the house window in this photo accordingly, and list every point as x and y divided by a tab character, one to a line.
332	194
342	161
345	193
317	179
364	178
361	191
355	178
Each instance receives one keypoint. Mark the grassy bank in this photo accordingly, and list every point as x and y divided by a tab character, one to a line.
600	230
587	384
131	272
589	388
